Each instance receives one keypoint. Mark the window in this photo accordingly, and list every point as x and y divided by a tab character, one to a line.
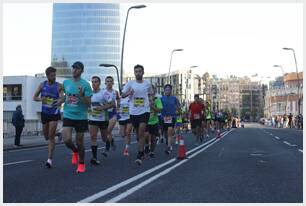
12	92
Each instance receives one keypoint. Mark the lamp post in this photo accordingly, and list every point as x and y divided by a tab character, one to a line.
123	39
112	65
286	95
297	74
174	50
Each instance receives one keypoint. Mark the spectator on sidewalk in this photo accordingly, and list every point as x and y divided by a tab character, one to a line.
18	122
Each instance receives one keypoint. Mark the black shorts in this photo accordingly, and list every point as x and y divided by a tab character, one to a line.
80	126
137	119
124	122
167	125
46	118
196	123
152	129
100	124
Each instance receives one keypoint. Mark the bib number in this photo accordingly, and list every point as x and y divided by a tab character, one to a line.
139	102
168	119
196	116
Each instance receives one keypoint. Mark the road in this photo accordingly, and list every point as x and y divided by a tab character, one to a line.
256	164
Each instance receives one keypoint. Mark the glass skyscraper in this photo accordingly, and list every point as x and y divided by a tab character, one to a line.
86	32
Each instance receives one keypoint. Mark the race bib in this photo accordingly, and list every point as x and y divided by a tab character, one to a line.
72	100
139	102
168	119
196	116
125	110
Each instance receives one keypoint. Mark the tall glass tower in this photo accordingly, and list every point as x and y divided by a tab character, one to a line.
86	32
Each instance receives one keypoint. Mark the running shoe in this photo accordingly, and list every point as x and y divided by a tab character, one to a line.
140	157
126	152
105	153
75	158
147	149
94	161
168	150
81	168
152	155
49	163
207	136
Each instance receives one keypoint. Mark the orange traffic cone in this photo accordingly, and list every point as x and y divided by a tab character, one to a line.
181	149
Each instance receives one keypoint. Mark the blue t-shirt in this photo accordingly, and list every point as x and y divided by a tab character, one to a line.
170	104
74	107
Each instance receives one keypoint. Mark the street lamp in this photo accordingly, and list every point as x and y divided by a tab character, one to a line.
286	95
174	50
123	39
187	84
297	74
112	65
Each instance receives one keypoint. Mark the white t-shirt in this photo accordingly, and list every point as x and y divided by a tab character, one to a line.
139	101
124	109
111	96
98	99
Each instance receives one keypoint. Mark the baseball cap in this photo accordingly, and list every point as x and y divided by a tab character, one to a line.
78	65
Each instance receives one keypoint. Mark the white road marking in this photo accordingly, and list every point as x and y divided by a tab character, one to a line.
276	137
256	154
13	163
287	143
139	186
271	134
300	150
132	179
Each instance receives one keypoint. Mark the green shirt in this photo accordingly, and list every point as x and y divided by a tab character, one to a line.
74	108
153	115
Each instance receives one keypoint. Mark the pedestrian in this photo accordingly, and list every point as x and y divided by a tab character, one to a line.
208	116
139	91
195	111
290	120
18	122
50	92
112	95
152	126
125	123
98	118
77	100
171	106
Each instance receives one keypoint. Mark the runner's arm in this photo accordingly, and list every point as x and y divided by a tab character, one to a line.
37	92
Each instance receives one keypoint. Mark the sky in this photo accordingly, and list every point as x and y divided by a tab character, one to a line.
220	38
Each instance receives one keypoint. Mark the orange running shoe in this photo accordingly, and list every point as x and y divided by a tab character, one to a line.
81	168
75	158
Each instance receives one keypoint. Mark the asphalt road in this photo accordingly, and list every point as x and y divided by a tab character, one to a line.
245	165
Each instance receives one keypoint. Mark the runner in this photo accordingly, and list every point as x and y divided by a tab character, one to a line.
77	100
208	117
125	123
196	112
152	127
203	121
98	117
170	106
50	94
139	91
112	94
178	126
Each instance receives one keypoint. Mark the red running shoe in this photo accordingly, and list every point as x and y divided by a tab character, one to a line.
81	168
75	158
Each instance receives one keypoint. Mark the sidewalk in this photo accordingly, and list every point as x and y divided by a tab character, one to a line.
37	141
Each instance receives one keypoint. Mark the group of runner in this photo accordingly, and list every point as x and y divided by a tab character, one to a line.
93	109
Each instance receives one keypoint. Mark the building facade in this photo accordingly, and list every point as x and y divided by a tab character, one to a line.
86	32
